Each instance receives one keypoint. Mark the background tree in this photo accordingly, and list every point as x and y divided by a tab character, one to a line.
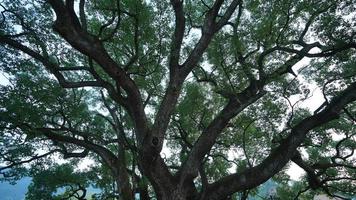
181	99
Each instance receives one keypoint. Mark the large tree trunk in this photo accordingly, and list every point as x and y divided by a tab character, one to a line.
182	191
125	191
122	177
175	195
143	193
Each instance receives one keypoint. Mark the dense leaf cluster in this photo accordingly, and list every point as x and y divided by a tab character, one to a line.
178	100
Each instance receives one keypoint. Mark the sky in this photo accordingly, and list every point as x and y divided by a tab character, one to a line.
294	171
312	104
3	79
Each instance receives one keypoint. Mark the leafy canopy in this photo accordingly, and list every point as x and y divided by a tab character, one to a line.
180	99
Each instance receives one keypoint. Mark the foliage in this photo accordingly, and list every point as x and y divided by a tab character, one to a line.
46	183
180	99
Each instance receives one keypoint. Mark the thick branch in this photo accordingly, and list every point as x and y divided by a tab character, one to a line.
169	101
210	27
35	157
208	137
313	179
178	35
83	19
52	67
252	177
104	153
68	26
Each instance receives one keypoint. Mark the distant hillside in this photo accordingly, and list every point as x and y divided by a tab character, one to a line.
19	190
14	192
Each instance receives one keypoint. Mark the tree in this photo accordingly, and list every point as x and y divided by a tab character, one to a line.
46	183
181	99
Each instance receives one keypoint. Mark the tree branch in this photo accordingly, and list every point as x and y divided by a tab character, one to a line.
209	135
52	67
176	79
252	177
35	157
109	158
67	25
178	35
